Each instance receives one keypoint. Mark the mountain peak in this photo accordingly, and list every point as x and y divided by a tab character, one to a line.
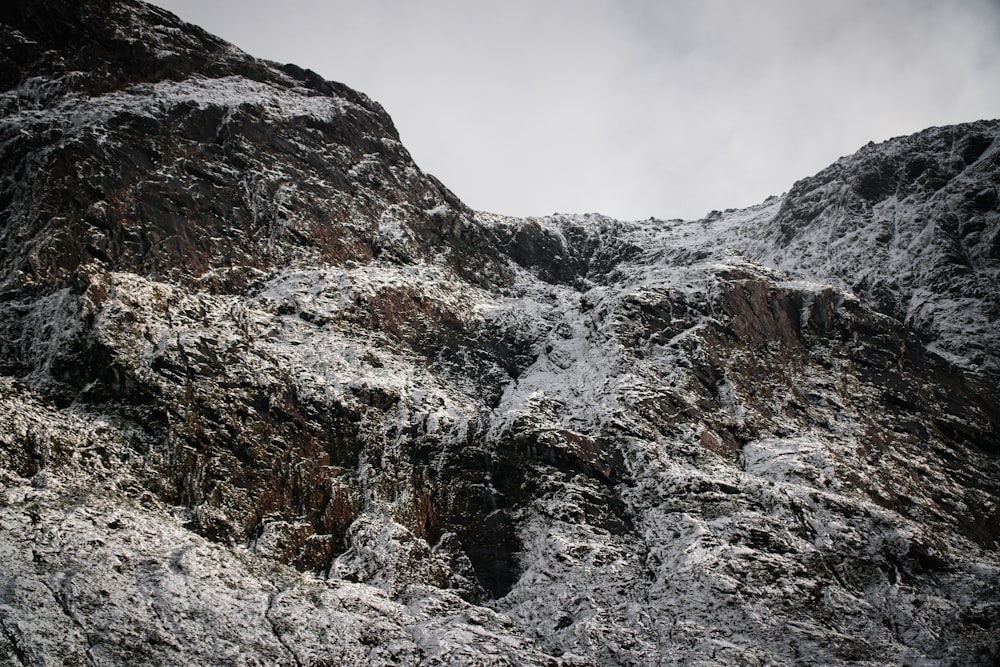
268	390
217	142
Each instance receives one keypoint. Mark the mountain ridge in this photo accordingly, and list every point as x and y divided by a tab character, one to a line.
272	395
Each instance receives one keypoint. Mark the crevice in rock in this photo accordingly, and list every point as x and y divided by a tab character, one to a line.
63	601
15	645
274	628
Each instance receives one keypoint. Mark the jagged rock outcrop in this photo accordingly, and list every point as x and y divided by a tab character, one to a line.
272	395
911	227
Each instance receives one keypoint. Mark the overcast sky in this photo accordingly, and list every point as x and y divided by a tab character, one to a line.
634	108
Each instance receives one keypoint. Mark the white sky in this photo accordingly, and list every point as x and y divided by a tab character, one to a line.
634	108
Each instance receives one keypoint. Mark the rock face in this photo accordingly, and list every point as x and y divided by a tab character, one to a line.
272	395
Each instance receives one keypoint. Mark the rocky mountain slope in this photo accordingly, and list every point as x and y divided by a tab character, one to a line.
271	395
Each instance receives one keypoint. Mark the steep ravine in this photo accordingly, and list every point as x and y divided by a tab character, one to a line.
272	395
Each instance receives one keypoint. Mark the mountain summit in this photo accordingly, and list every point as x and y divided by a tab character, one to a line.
272	395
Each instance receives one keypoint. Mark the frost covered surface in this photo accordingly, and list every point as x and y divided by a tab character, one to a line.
272	395
787	553
97	571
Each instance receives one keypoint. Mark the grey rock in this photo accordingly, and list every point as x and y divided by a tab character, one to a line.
270	394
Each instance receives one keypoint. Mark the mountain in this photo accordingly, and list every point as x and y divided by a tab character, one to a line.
272	395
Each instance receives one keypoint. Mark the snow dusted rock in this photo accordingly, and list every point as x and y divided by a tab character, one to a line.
911	226
269	394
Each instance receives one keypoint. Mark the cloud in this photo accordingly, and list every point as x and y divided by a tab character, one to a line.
639	108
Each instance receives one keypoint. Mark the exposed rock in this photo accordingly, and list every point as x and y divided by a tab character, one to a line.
269	394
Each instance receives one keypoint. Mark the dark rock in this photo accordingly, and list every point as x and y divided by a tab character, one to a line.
242	332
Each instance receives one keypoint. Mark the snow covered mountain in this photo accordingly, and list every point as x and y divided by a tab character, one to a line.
271	395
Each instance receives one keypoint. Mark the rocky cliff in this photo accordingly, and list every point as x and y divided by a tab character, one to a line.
274	396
